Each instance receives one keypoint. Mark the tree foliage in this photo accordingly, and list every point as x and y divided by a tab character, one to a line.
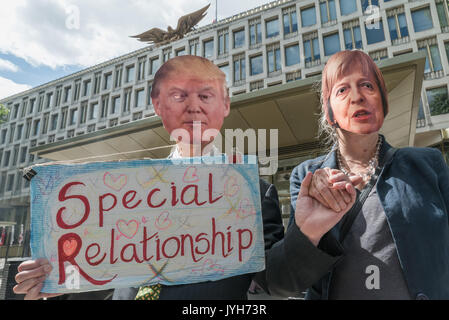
439	104
4	111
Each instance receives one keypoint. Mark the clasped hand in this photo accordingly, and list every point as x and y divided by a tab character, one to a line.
323	199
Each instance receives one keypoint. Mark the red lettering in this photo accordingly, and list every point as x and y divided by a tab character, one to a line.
211	192
242	247
195	198
199	238
165	243
183	237
174	201
144	243
69	245
89	258
134	255
149	199
102	209
111	256
126	201
214	235
63	197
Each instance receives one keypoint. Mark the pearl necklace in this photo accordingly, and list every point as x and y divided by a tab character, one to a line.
372	163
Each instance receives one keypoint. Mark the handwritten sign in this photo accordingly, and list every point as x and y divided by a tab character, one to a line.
126	224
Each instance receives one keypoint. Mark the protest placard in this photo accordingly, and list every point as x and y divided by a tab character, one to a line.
127	223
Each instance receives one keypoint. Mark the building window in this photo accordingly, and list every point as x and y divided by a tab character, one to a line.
149	88
12	129
274	58
141	69
45	123
433	59
239	68
115	104
67	92
58	96
15	112
272	28
443	14
208	47
31	106
397	24
446	46
225	69
73	116
374	32
331	44
76	96
180	52
422	19
379	54
256	64
97	83
6	158
118	76
15	155
130	73
194	47
347	7
104	106
93	114
107	81
256	85
368	3
24	108
127	101
292	55
255	32
140	98
19	131
311	49
54	122
23	154
10	182
83	113
166	54
154	65
438	100
40	104
3	138
64	113
223	42
308	16
352	35
36	127
86	88
290	20
239	38
49	100
28	128
328	11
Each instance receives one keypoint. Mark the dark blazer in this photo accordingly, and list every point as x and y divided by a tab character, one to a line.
233	288
413	189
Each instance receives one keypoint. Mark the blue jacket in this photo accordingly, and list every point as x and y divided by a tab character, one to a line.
414	192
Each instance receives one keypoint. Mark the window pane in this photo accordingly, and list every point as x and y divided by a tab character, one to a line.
374	34
357	37
292	55
392	28
270	55
239	38
446	45
348	38
403	25
331	44
256	65
208	48
294	22
307	51
427	65
225	69
237	70
366	4
436	60
286	19
323	10
422	19
316	49
308	17
438	101
272	28
442	14
347	6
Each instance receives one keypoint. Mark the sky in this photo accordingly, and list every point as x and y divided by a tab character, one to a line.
43	40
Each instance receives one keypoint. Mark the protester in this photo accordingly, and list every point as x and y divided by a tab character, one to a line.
186	89
395	244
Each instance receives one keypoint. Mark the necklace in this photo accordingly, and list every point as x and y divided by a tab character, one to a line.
372	163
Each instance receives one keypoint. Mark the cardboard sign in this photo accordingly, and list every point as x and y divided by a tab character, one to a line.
125	224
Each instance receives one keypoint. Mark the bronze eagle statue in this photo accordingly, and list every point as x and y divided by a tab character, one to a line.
185	24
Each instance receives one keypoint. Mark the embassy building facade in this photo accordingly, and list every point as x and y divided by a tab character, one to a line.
266	49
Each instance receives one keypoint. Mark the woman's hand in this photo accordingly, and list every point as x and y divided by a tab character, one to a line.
30	279
315	219
328	186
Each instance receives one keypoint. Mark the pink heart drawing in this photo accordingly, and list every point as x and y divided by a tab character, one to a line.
190	175
246	208
114	183
69	246
127	229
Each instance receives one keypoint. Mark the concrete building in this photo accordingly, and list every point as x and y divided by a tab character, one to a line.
272	55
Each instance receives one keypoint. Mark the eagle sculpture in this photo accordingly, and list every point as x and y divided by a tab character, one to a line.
185	24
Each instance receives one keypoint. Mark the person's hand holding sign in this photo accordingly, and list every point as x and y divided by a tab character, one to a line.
30	279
